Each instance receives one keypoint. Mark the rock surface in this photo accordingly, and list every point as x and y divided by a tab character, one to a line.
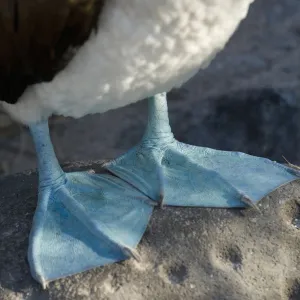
207	254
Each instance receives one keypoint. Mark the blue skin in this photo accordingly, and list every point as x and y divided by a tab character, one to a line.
87	220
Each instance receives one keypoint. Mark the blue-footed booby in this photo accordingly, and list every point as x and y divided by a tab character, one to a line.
78	57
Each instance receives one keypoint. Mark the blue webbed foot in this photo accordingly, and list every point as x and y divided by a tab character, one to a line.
185	175
82	220
196	176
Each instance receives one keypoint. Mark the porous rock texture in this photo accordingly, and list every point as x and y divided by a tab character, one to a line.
186	253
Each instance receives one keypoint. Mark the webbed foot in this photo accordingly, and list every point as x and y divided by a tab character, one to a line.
195	176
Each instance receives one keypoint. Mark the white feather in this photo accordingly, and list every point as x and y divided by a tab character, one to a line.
142	47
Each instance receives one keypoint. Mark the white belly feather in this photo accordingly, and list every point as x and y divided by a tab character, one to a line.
142	47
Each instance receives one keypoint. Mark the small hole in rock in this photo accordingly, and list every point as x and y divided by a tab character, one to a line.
234	256
296	217
291	213
178	274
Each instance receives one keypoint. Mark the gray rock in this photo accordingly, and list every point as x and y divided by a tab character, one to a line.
262	122
186	253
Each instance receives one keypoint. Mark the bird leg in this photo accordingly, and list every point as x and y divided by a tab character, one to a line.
184	175
82	220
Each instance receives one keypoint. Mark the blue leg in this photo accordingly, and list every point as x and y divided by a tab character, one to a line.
184	175
82	220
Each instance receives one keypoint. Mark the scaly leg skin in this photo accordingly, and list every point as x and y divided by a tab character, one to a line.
83	220
195	176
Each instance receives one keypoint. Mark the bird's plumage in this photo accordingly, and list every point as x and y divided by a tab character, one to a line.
38	39
141	48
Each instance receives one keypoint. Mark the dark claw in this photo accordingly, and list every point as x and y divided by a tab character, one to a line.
44	283
132	253
250	203
161	188
161	201
294	169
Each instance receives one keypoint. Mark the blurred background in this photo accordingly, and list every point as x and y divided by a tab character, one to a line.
247	100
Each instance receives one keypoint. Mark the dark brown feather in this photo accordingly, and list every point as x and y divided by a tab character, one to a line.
36	37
